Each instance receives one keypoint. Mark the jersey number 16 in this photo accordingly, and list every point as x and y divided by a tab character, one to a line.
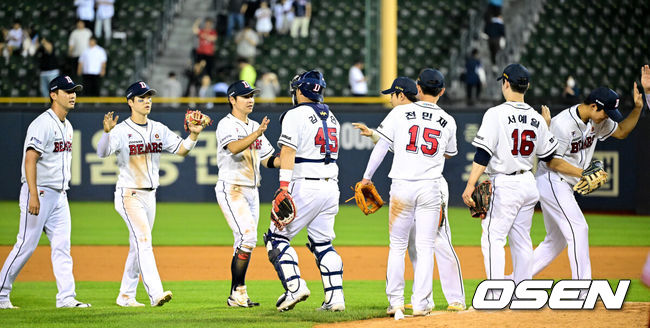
523	145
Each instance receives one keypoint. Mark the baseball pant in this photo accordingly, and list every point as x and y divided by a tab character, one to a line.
54	219
241	208
300	24
451	277
565	224
412	203
138	209
510	216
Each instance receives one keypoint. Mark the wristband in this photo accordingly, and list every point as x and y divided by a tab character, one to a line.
285	176
189	143
374	137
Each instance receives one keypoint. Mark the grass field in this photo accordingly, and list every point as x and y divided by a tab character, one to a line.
202	303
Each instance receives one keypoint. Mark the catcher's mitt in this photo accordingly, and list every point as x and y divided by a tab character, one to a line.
197	118
367	198
481	197
283	210
593	177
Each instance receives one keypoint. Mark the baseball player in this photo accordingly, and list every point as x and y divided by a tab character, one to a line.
509	135
309	149
577	130
137	143
421	135
241	147
404	91
645	82
43	198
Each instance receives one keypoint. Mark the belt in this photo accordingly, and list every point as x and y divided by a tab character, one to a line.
518	172
316	179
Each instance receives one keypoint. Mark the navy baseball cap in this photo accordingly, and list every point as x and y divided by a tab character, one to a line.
404	85
606	99
241	88
139	89
65	83
431	78
516	74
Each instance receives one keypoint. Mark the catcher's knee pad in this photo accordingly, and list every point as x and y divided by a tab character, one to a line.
284	260
331	269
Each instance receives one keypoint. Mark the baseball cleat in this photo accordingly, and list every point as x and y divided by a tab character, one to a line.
335	307
7	305
239	298
288	300
456	306
73	303
421	313
392	309
163	298
128	302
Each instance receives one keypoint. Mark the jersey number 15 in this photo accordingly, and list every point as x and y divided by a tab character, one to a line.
430	148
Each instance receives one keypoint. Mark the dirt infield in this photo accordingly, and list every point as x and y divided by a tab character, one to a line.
632	315
105	263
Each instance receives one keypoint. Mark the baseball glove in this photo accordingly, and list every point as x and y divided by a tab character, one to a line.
367	198
195	117
481	197
283	210
593	177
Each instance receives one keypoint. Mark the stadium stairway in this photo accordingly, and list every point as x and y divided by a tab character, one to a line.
177	54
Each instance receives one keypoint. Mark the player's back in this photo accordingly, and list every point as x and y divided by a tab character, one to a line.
420	134
304	130
512	133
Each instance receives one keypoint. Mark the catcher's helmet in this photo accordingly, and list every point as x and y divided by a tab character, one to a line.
311	85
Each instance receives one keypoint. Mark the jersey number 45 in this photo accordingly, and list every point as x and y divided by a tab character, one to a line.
319	140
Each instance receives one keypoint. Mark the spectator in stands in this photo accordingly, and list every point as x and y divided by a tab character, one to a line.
47	63
30	44
493	9
269	86
206	90
207	40
645	82
282	10
302	16
92	67
473	68
571	92
496	36
85	11
247	41
77	44
194	74
236	11
357	81
15	38
171	88
247	71
263	15
105	12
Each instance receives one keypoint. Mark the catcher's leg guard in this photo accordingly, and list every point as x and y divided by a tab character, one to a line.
331	270
284	260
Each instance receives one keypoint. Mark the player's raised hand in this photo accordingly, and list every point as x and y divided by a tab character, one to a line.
638	97
192	126
34	206
363	129
263	126
645	78
110	121
546	114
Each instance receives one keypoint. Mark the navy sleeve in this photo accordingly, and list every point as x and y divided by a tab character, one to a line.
482	157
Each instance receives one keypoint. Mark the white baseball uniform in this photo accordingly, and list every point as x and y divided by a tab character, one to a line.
137	149
451	277
315	191
239	177
564	221
512	133
52	138
420	134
